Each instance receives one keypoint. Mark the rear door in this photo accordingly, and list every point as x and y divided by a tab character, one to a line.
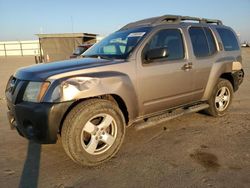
204	55
164	83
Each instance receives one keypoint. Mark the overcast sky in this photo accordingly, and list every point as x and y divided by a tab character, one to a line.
21	19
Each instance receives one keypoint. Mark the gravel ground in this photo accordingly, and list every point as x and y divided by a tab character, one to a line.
191	151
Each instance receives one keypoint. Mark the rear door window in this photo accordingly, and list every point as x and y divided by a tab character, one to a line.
210	40
199	42
203	41
228	38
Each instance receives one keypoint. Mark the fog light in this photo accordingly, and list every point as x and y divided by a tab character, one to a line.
30	131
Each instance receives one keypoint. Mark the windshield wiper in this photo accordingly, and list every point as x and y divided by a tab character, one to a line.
99	56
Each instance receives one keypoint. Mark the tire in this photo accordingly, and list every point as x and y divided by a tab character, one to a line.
220	99
93	132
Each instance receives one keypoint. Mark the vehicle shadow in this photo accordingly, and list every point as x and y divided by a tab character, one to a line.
30	173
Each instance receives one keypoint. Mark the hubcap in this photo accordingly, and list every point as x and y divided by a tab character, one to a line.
222	99
99	134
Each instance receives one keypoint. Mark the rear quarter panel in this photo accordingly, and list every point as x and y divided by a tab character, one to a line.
223	63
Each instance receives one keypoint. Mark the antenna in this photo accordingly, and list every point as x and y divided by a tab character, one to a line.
72	30
41	30
72	24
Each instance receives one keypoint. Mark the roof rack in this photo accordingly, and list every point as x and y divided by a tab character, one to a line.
178	19
175	19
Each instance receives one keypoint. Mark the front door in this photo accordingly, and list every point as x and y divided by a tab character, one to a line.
166	82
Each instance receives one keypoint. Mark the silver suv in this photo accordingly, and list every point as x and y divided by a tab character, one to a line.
158	68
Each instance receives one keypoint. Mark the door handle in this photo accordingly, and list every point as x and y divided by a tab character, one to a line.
187	66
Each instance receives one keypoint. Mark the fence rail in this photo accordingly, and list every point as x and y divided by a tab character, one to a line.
20	48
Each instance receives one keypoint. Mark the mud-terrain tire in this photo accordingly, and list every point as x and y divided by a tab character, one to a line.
93	132
220	99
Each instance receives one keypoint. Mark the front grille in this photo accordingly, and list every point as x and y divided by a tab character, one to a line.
15	90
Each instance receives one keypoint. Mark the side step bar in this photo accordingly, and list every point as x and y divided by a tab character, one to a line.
170	115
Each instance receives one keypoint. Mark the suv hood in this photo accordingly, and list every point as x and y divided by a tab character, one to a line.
41	72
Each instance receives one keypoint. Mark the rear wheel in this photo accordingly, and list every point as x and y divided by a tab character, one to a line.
93	132
221	98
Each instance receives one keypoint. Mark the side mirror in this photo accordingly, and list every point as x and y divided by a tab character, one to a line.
157	53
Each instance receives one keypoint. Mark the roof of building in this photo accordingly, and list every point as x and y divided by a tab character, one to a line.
66	35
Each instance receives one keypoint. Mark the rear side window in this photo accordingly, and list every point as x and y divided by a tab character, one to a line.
228	38
199	42
172	40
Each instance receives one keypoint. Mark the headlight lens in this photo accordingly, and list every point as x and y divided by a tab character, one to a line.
35	91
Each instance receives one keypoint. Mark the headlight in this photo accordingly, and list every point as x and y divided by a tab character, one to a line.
70	89
35	91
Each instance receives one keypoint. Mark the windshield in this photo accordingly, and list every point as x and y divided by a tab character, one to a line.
117	45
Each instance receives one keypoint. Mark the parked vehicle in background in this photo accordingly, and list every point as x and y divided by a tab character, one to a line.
245	45
158	68
80	50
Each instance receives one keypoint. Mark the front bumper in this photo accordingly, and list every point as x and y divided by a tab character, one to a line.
39	122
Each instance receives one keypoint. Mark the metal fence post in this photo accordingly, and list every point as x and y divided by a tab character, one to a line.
4	47
21	48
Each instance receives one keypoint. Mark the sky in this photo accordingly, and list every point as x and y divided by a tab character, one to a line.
22	19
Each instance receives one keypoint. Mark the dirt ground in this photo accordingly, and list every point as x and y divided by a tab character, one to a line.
191	151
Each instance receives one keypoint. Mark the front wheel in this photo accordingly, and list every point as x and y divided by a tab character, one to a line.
93	132
221	98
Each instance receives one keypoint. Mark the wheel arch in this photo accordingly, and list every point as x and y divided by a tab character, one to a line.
228	76
110	97
219	70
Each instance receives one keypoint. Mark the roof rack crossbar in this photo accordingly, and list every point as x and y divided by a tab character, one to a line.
178	19
211	21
